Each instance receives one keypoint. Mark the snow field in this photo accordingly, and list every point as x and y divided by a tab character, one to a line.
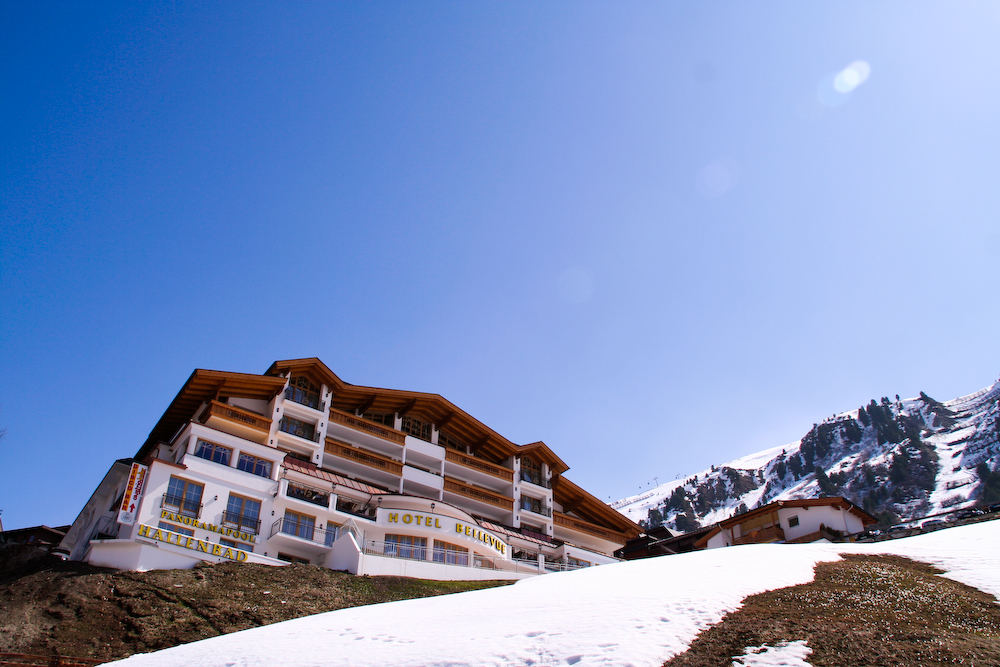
635	613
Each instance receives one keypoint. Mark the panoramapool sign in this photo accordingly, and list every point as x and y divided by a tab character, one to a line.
225	531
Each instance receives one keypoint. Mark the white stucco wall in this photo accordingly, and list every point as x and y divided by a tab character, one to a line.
811	518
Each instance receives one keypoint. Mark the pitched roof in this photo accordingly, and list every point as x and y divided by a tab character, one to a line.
429	406
312	470
837	502
204	385
586	506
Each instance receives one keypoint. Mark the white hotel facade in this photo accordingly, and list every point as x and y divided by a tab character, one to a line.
296	465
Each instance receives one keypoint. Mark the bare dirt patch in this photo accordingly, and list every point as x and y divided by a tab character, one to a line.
52	607
863	610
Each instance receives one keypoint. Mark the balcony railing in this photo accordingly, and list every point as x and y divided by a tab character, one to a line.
497	471
184	506
567	521
559	566
768	534
304	531
536	479
308	495
420	553
476	493
248	524
364	457
357	423
239	415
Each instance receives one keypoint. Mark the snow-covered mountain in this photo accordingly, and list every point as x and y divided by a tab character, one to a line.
898	459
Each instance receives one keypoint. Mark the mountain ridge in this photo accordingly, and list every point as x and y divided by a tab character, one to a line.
899	459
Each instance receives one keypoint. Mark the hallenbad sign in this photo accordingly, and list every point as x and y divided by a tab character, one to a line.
447	526
185	542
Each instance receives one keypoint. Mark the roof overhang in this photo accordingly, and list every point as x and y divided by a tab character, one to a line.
205	385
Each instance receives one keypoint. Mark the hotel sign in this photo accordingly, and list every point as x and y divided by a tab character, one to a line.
133	494
446	525
185	542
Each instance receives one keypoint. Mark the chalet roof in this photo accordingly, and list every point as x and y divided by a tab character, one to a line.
427	406
204	385
586	506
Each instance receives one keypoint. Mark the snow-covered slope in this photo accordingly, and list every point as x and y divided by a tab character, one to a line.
899	459
634	613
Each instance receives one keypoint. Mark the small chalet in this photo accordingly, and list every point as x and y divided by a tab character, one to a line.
44	537
803	520
660	541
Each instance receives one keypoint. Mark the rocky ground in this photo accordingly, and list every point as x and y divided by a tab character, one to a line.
53	607
863	610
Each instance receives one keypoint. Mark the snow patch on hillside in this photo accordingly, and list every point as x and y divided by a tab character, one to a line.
634	613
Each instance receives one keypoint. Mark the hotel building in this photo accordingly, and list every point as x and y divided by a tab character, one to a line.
296	465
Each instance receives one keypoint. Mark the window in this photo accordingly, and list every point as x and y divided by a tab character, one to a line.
213	452
416	428
236	545
450	554
406	546
175	529
331	533
254	465
448	441
244	513
385	419
299	525
576	562
793	521
299	428
531	471
301	390
185	496
288	558
534	505
308	495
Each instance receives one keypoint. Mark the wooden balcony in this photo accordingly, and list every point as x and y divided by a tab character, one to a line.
497	471
363	456
571	522
762	536
452	485
371	428
237	421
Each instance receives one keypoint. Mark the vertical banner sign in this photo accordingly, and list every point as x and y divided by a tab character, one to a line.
133	494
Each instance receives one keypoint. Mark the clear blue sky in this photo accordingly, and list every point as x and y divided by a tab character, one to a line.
654	236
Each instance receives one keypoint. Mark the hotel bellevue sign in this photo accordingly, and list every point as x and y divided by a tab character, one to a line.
447	526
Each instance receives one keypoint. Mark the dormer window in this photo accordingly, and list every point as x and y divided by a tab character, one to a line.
301	390
416	428
531	471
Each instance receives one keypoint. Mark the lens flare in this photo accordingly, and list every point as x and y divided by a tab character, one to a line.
852	76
